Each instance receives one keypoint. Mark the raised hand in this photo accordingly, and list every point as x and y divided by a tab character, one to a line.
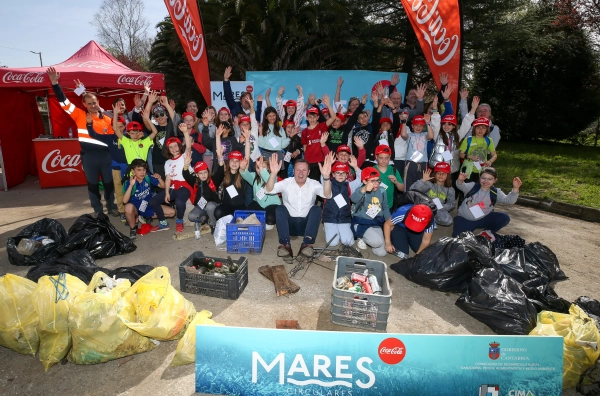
358	142
427	117
324	138
183	128
326	100
427	175
274	164
251	102
340	81
227	73
281	91
326	167
395	79
147	88
464	93
244	164
353	162
475	103
163	101
421	88
268	93
517	184
380	92
53	75
152	96
187	159
146	114
447	92
260	163
434	103
220	130
364	99
137	100
462	177
205	116
299	88
172	103
77	83
444	78
296	130
259	98
374	96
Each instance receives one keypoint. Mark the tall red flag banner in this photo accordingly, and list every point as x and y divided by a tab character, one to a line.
437	24
186	19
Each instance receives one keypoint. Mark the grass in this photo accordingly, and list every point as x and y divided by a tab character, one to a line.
551	171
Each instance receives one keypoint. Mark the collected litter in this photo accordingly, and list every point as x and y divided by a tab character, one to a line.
186	347
250	220
37	243
18	319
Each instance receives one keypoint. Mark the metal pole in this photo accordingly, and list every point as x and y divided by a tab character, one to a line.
40	54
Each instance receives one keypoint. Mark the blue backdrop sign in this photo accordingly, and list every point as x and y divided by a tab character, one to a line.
248	361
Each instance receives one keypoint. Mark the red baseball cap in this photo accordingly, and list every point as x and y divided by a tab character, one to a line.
340	167
288	122
481	121
244	118
418	120
383	149
133	126
325	110
122	120
385	119
418	217
343	147
187	113
449	119
236	155
224	109
172	140
291	103
200	166
340	116
312	110
369	173
348	114
442	167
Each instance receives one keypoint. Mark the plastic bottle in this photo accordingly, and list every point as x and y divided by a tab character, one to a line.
197	230
70	133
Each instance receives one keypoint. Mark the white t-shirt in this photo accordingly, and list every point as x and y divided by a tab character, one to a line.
174	168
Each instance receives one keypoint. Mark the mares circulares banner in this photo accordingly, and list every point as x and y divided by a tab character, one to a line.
188	24
258	362
437	24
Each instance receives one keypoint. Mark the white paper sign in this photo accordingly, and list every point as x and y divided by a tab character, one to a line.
477	212
373	210
383	141
274	142
339	200
477	165
385	186
438	203
447	156
260	194
288	157
143	206
416	157
232	191
79	90
202	203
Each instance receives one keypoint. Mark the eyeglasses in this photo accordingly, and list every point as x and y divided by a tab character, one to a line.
377	181
159	115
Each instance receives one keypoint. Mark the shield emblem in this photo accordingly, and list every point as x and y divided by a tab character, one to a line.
494	352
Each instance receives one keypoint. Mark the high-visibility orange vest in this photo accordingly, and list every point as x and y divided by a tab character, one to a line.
102	125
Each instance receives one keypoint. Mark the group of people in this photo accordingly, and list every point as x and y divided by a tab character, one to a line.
354	170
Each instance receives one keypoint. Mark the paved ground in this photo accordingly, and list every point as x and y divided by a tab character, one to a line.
414	309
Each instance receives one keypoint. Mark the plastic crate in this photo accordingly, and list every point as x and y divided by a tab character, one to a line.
244	238
368	311
230	287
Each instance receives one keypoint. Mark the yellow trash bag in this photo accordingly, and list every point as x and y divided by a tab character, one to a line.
52	300
581	338
186	348
97	332
18	319
160	311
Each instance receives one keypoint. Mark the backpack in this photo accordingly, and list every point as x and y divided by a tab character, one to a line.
416	197
146	179
477	187
470	138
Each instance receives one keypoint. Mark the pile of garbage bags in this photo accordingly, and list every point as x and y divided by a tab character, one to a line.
109	318
46	240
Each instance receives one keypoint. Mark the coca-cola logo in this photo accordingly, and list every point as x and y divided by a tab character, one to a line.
142	80
57	163
187	28
249	88
31	78
391	351
442	48
88	64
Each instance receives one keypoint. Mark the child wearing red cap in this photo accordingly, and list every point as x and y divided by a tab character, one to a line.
289	109
337	211
234	187
204	195
344	155
475	150
311	139
416	154
177	190
410	227
439	189
371	209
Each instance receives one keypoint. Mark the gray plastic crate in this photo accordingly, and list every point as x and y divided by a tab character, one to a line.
368	311
230	287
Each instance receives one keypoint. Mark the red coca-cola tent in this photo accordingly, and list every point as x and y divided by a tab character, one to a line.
98	70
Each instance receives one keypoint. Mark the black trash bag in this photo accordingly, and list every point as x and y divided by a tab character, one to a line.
542	258
132	273
416	198
498	301
97	236
481	251
443	266
78	263
543	296
45	227
591	307
512	263
507	241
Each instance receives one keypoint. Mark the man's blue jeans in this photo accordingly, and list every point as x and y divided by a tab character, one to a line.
307	227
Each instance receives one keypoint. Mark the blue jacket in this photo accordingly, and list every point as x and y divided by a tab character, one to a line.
332	213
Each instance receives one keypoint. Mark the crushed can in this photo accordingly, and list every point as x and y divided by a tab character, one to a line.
356	277
375	288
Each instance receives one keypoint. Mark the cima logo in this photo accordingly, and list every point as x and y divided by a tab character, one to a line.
494	352
514	392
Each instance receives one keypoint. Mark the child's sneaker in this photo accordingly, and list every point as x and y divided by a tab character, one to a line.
133	233
123	219
179	226
162	226
361	244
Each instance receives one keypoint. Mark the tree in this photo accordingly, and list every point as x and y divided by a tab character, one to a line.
122	30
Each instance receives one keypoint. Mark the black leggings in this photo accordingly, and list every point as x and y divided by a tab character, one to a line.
269	209
225	210
178	197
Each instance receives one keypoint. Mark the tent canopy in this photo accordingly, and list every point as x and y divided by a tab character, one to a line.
98	70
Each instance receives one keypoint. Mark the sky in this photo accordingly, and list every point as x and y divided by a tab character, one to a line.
56	28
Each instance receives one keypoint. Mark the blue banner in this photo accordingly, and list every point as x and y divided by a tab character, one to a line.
248	361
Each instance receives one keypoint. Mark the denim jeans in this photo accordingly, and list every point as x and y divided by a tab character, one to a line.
494	221
308	226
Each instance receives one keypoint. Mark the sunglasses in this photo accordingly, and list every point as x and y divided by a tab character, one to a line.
159	115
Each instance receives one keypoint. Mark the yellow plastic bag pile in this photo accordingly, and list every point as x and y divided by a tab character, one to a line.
51	300
97	332
186	348
18	319
581	338
160	311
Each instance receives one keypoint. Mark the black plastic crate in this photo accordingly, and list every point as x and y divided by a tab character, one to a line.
229	287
